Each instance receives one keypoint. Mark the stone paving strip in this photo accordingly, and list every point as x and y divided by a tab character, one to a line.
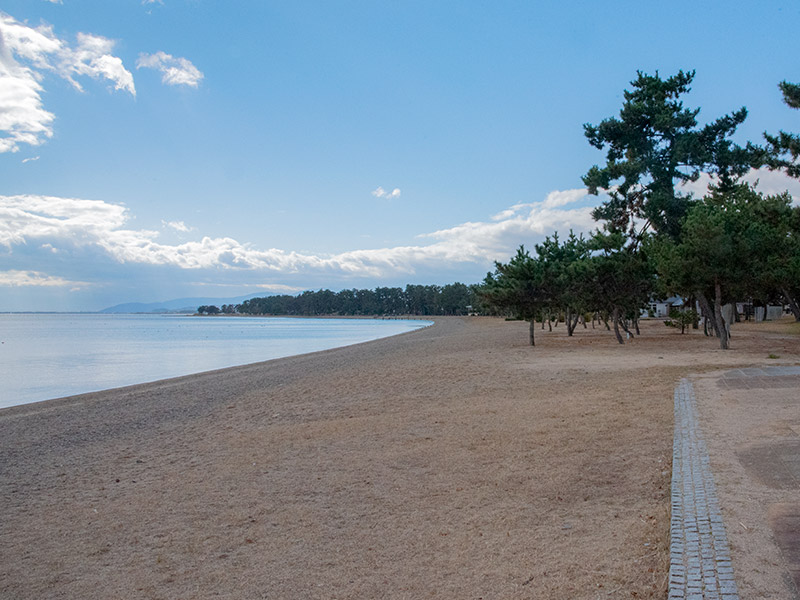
700	559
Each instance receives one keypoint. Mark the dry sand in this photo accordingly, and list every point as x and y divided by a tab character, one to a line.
451	462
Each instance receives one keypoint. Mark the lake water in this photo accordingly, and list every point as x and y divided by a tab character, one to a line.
44	356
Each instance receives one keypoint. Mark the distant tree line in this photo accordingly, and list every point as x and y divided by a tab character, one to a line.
427	300
211	309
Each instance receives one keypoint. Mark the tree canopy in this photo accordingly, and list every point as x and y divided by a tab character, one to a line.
517	287
571	278
735	243
654	238
654	145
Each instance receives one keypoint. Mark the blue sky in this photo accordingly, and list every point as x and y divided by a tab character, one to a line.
163	149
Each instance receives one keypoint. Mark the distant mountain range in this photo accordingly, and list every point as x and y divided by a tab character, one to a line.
180	305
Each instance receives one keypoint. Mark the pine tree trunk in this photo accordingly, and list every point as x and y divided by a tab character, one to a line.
615	318
572	322
625	328
531	329
722	331
792	304
708	313
691	303
636	325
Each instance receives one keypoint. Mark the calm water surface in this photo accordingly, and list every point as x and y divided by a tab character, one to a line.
54	355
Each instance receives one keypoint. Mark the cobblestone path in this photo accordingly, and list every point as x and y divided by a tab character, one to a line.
700	560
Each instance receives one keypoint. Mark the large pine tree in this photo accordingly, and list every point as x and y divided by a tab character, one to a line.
653	146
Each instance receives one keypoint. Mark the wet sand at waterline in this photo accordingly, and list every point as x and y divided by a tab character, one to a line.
451	462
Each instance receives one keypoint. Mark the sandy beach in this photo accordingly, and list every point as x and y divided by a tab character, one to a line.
451	462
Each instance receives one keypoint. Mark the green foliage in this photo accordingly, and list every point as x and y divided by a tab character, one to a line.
736	243
561	266
654	144
617	279
784	148
208	310
516	287
572	277
747	242
682	318
791	93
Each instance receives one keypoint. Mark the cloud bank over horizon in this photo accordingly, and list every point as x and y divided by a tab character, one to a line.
51	230
55	242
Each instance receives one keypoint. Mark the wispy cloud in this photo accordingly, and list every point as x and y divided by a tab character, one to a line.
174	70
275	288
179	226
379	192
36	279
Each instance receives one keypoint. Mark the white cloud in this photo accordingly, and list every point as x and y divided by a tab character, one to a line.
174	70
92	57
769	182
517	225
558	198
36	279
55	1
70	224
379	192
177	226
23	119
28	53
277	288
30	159
47	218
